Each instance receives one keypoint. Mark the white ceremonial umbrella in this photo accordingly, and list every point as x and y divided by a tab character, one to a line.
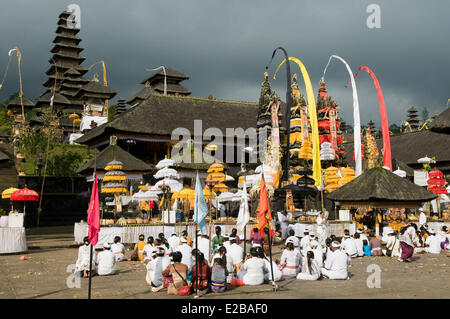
145	196
238	195
400	173
166	172
225	197
229	178
175	186
166	162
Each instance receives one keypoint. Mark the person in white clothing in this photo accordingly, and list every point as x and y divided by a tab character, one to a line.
348	245
321	228
305	240
253	269
84	255
362	235
432	243
290	260
237	254
337	264
392	245
106	261
284	223
155	268
277	274
173	241
292	238
422	217
186	252
203	246
310	268
359	244
228	261
118	249
226	242
149	249
317	249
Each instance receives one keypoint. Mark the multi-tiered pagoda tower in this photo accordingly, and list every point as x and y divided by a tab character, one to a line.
329	125
413	118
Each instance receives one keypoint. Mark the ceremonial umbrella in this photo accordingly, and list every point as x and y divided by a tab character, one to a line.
164	163
263	168
175	186
435	173
24	195
145	196
185	193
216	167
8	192
166	172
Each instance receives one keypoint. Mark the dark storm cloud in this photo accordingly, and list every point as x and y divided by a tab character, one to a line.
225	45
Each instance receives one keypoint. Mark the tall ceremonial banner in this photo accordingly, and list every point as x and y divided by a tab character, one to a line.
387	160
357	123
317	169
244	214
264	215
200	208
93	219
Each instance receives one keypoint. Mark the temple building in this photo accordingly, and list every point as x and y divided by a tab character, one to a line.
15	109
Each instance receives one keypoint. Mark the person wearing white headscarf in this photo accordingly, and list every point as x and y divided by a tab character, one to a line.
392	245
422	217
336	264
310	268
348	245
173	241
321	228
106	261
432	243
84	255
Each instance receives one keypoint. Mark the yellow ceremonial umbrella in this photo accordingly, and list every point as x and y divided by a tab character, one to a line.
74	116
345	179
145	187
7	192
220	187
347	171
208	194
331	179
215	168
331	187
217	176
331	171
187	192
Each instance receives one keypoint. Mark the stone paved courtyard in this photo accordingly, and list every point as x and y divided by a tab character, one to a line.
44	275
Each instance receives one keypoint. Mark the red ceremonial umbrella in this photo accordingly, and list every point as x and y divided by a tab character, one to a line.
435	173
438	190
436	181
25	195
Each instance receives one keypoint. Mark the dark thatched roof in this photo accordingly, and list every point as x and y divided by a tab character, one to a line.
161	114
58	99
189	162
97	88
378	186
141	95
15	102
170	73
442	122
114	152
409	147
171	88
3	156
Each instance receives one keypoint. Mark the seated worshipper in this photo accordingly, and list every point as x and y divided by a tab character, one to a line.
316	248
392	245
106	261
185	235
149	249
312	237
203	246
201	281
255	238
252	271
218	276
283	218
237	254
359	244
294	239
178	271
84	255
164	241
336	265
227	262
328	250
406	244
186	252
362	235
138	249
155	268
310	268
348	245
433	246
118	249
277	274
173	241
422	217
305	240
226	242
235	235
157	243
217	240
290	261
366	247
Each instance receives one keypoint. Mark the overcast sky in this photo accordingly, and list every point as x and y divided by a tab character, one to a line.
225	45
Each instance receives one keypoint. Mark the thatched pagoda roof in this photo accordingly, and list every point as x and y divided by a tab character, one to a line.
130	163
380	188
15	102
207	160
141	95
442	122
161	114
170	74
96	88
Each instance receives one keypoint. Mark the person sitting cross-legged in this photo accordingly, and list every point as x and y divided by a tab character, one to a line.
336	264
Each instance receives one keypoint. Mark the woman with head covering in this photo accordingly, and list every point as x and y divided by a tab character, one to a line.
406	244
290	260
310	268
227	261
84	255
200	278
139	249
148	249
218	276
277	274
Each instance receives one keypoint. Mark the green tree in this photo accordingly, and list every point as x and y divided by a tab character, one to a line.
425	114
5	119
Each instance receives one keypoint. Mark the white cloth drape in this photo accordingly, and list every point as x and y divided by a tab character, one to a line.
12	240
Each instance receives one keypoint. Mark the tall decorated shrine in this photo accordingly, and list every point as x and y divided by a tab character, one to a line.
330	135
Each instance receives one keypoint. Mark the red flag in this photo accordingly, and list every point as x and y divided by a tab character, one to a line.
264	215
93	219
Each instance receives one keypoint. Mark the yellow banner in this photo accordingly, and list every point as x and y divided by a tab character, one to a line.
317	169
